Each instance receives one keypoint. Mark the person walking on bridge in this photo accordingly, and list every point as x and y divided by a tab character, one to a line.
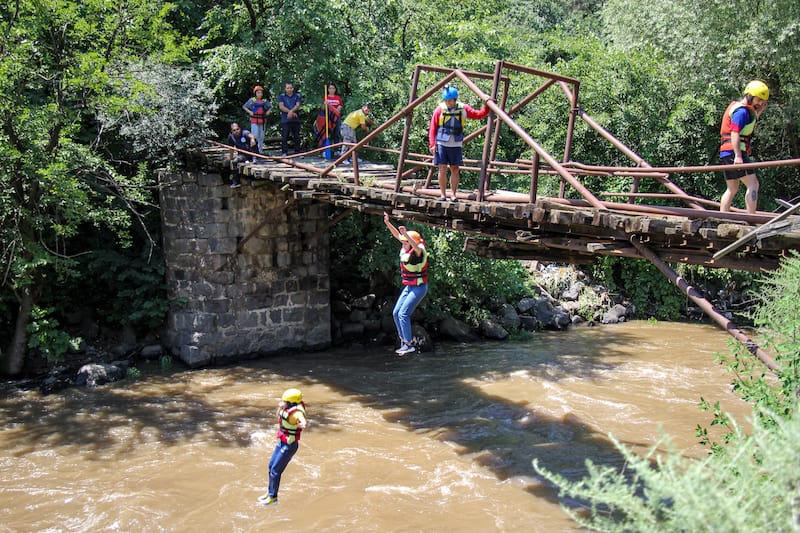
414	271
446	136
292	421
738	123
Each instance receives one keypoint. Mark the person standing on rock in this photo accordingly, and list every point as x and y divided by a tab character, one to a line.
414	272
292	421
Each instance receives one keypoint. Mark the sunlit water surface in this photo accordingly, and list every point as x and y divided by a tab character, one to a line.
433	442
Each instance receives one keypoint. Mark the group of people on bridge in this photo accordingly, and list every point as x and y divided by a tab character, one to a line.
328	125
446	133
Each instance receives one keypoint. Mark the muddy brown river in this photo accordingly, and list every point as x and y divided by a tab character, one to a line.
431	442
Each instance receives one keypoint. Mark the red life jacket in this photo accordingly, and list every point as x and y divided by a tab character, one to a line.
259	112
288	433
413	267
744	135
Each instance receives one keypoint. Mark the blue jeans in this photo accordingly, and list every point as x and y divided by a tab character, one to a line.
408	300
258	132
277	464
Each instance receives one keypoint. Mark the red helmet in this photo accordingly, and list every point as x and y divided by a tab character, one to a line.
258	88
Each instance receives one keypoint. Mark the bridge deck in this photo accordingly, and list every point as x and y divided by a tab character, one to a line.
550	229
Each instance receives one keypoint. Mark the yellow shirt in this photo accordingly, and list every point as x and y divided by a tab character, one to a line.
355	119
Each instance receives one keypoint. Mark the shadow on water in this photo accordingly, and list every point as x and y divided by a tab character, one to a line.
436	394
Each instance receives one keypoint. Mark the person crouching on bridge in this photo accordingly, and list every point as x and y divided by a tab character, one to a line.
414	271
738	124
291	422
446	136
242	140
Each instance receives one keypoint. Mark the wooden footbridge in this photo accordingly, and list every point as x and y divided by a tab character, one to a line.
573	227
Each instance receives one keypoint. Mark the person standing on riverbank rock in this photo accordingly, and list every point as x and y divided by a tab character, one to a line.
414	272
292	421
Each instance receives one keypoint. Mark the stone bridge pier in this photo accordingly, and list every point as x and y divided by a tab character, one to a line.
247	269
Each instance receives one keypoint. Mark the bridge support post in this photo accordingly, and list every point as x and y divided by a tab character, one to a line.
704	304
248	269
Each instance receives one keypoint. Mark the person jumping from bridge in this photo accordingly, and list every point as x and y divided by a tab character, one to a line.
414	272
738	124
291	422
446	136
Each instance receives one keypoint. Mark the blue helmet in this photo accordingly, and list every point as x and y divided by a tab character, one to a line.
449	93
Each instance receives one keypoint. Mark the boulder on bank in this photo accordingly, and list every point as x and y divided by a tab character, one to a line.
96	374
421	339
491	329
457	330
615	315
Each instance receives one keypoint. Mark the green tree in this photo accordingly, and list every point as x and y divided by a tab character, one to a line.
60	65
713	49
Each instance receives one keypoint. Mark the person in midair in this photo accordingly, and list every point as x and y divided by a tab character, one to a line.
414	273
292	421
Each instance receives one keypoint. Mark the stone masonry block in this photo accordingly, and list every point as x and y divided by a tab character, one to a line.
222	246
209	180
193	356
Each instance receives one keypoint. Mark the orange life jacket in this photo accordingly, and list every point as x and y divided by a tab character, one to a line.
744	135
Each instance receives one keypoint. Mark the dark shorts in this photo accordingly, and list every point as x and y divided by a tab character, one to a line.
448	155
735	174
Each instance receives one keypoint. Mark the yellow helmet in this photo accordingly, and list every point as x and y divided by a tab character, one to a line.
758	89
292	396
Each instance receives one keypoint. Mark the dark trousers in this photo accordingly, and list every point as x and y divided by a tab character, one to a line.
290	129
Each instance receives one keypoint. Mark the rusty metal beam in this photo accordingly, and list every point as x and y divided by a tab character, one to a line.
563	172
705	305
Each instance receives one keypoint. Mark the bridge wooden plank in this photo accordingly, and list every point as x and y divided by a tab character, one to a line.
588	231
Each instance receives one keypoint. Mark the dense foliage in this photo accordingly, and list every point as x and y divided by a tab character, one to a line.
750	482
94	96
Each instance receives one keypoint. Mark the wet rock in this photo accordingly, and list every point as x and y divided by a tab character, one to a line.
615	315
52	384
421	339
152	351
364	302
456	330
93	375
508	317
526	304
491	329
529	323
